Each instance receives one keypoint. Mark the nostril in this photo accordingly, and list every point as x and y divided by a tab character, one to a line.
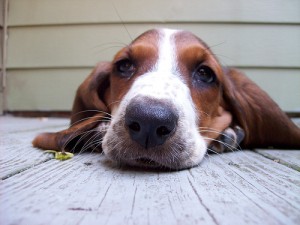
163	131
134	126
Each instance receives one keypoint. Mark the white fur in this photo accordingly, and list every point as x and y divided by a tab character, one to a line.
167	60
165	83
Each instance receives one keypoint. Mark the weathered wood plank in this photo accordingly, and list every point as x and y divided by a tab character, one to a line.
9	124
16	134
84	190
244	179
239	188
235	188
290	158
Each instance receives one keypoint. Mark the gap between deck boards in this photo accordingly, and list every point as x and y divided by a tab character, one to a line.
24	169
265	154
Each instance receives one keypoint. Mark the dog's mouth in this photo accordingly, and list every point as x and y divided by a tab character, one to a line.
147	162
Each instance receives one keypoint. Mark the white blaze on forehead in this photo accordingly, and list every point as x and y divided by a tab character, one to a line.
167	51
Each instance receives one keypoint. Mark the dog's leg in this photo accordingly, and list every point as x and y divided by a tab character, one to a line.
229	140
77	135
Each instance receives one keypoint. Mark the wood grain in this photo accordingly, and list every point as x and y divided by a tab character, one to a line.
242	187
16	134
289	158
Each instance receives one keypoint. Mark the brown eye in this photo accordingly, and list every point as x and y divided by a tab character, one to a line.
204	74
125	68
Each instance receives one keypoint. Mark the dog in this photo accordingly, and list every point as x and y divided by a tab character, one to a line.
164	101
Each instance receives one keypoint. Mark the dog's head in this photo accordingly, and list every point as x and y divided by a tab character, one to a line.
165	89
167	97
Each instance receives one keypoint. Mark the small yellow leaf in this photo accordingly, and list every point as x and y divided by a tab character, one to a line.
63	155
60	155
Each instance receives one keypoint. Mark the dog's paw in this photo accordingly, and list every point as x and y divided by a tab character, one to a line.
229	140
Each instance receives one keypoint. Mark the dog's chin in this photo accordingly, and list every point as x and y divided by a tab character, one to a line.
145	163
166	162
163	158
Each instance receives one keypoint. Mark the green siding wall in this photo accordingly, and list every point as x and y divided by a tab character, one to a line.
2	13
53	45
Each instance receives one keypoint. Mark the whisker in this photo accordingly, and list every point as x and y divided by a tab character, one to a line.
111	43
111	103
205	113
215	45
221	133
208	158
74	132
86	118
97	144
232	148
221	155
124	25
73	136
82	137
90	142
92	110
101	51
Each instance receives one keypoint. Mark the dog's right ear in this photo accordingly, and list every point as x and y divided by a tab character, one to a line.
252	109
93	94
90	108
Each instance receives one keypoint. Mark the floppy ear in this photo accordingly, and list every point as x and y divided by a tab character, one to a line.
264	123
90	108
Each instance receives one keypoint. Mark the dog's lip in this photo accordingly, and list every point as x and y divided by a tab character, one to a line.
147	162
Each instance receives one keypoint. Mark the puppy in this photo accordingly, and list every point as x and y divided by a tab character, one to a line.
164	100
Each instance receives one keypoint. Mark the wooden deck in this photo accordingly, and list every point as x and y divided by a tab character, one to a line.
245	187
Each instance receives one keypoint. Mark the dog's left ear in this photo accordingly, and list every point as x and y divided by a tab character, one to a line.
90	108
92	95
264	123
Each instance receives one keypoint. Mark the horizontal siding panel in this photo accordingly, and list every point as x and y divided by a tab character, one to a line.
1	47
54	89
48	90
282	85
1	39
1	103
100	11
1	13
82	46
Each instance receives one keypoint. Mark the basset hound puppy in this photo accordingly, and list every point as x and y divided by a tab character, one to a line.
164	101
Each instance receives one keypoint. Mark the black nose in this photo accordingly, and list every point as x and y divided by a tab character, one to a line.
150	122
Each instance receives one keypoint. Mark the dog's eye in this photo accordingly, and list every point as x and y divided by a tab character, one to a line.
204	74
125	67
